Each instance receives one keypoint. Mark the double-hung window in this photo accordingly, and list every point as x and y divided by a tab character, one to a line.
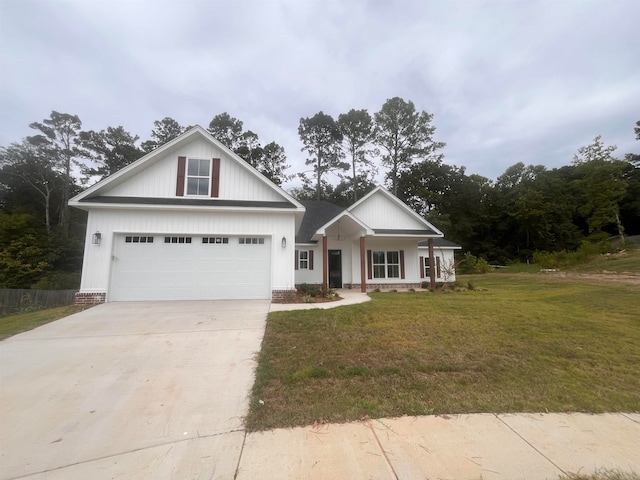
427	267
386	264
198	176
303	260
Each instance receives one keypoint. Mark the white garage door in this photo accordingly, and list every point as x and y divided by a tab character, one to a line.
190	267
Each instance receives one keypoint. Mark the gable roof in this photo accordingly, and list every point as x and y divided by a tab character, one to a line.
94	195
320	214
423	226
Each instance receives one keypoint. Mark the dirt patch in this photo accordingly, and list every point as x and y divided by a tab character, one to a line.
610	277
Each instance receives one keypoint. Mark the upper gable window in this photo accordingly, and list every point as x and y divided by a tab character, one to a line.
198	176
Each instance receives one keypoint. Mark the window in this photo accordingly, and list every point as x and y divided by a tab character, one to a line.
198	176
303	259
427	267
386	264
215	240
138	239
177	239
251	240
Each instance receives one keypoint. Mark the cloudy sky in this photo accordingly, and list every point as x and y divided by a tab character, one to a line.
507	81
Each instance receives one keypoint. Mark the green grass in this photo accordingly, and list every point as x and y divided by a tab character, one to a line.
602	474
518	343
628	263
21	322
625	263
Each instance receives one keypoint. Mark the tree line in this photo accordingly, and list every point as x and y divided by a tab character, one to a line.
526	209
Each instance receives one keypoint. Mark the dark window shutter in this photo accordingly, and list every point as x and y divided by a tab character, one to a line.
310	259
438	267
296	260
402	264
421	267
215	177
369	265
182	163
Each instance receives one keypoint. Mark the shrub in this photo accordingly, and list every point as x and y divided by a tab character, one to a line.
311	290
472	264
584	253
58	281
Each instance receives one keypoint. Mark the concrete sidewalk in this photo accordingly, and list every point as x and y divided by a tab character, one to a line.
480	446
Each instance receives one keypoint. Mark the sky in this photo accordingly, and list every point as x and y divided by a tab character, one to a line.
507	81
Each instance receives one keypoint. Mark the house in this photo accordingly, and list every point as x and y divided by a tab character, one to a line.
378	242
193	221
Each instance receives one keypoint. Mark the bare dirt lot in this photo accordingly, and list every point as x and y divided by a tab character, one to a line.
605	276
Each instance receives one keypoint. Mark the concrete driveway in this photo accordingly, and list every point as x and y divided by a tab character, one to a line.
130	390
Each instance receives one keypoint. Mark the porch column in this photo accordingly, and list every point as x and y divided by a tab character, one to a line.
432	265
363	273
325	264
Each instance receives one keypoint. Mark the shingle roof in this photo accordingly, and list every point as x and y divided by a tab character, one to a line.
318	213
440	242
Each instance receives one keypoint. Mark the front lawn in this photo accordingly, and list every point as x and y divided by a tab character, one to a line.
21	322
517	343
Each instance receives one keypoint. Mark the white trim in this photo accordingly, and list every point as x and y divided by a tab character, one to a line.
321	231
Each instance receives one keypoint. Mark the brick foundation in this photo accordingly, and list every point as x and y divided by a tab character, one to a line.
278	296
90	298
384	286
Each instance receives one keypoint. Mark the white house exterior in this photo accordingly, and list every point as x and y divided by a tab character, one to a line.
189	221
444	263
372	244
193	221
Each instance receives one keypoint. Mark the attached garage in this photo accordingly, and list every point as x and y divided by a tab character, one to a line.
148	266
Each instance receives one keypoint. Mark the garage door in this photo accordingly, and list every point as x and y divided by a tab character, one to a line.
190	267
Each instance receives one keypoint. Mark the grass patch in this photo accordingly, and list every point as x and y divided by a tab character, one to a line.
629	262
22	322
602	474
518	343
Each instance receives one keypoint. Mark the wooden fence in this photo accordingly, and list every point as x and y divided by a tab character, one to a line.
15	300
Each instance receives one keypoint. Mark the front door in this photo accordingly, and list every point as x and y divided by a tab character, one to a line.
335	268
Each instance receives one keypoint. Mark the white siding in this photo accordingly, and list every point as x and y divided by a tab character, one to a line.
380	212
411	262
310	276
447	263
98	258
159	178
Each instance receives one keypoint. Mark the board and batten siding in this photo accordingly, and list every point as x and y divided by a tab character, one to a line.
411	262
380	212
96	268
158	180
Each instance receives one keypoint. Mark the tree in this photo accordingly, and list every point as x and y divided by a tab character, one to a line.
227	129
163	131
111	149
59	136
601	185
31	165
404	135
594	151
269	160
321	139
273	163
357	130
24	256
